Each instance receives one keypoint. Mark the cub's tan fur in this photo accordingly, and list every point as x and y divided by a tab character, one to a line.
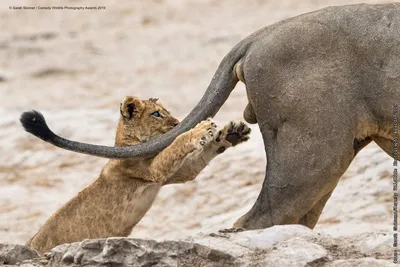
126	188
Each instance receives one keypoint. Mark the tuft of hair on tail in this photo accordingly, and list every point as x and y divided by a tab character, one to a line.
34	123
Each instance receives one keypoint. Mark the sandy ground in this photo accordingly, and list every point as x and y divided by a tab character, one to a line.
76	66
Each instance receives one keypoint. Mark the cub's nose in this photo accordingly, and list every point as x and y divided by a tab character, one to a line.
174	122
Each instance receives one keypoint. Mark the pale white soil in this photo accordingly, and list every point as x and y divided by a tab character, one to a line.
76	66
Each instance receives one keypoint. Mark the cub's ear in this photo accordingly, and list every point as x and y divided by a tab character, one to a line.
131	107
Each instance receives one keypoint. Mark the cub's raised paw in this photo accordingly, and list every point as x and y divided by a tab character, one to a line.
234	133
203	133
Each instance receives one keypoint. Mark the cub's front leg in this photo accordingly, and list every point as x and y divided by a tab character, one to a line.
232	134
168	161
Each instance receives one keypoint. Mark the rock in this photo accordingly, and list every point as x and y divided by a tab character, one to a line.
288	245
366	262
295	252
13	254
220	242
376	242
281	245
137	252
263	239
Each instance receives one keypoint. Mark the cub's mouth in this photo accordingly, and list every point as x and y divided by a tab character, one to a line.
165	129
169	127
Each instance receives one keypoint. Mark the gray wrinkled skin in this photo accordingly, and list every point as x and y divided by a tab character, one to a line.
316	84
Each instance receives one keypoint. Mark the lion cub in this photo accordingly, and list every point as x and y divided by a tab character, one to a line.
126	188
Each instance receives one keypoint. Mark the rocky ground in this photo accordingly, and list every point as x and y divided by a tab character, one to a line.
75	66
288	245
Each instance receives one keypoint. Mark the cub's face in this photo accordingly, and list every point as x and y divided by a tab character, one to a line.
144	119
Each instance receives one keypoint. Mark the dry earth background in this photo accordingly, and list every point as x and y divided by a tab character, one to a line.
76	66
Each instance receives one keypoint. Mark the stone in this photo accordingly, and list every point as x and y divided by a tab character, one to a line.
365	262
137	252
295	252
13	254
263	239
284	245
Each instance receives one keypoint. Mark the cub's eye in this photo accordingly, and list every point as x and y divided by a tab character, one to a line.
156	114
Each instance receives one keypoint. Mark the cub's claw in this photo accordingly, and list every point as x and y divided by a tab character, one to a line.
235	133
203	133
